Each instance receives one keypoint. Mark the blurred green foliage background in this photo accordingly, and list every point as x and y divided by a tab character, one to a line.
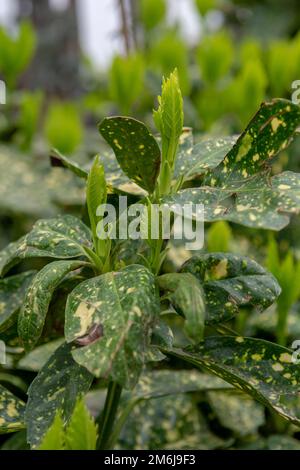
249	51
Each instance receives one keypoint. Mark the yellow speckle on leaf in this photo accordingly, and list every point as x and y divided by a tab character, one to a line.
11	410
277	367
130	290
285	357
218	211
245	146
283	187
85	314
256	357
220	270
275	123
239	339
116	142
241	208
255	157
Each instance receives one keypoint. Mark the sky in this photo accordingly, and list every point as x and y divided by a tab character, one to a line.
99	21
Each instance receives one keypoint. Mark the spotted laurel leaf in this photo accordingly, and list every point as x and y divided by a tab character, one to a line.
135	148
61	238
261	369
126	305
231	282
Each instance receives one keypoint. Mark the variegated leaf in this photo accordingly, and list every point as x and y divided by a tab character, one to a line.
194	161
135	148
186	295
37	300
167	422
58	386
240	188
230	282
237	412
124	306
258	202
11	412
261	369
12	293
60	238
161	383
269	132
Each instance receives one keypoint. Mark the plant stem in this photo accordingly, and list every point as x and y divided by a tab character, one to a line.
281	329
109	414
156	264
121	422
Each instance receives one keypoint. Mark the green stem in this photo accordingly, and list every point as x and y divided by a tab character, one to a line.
281	329
156	260
108	415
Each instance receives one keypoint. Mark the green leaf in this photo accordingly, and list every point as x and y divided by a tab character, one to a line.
186	295
16	441
164	422
287	273
30	111
54	438
237	412
152	13
126	80
204	6
230	282
281	442
215	56
58	386
23	189
11	412
259	202
125	307
16	52
59	160
96	194
261	369
37	358
161	383
81	433
219	237
63	127
12	293
162	336
240	189
30	188
60	238
135	148
267	133
37	300
169	117
207	155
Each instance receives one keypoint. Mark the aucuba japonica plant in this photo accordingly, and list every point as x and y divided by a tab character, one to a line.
112	296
